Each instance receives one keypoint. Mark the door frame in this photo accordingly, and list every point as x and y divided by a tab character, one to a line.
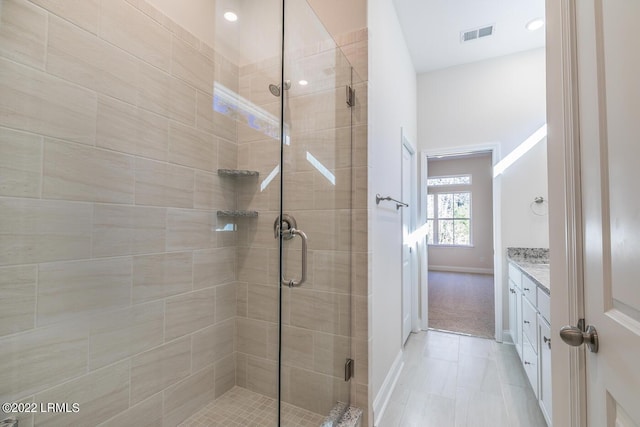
494	148
565	242
413	258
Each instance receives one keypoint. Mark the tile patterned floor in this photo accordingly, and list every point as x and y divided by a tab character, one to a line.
453	380
240	407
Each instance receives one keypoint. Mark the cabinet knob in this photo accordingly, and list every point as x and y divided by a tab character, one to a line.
527	289
527	322
527	363
547	341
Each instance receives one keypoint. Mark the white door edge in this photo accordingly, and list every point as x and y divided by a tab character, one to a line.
423	261
409	310
415	255
568	366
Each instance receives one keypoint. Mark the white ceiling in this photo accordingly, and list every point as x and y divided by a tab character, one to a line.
432	29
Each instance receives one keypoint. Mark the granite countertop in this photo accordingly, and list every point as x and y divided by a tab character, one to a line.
534	262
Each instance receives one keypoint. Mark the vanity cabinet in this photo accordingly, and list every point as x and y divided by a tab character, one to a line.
529	306
530	364
544	355
529	289
529	321
515	307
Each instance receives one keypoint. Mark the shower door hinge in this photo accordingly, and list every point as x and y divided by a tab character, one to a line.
348	369
351	96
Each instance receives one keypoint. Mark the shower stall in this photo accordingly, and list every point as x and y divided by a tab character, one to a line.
182	214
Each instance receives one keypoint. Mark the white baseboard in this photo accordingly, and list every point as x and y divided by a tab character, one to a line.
382	399
453	269
506	337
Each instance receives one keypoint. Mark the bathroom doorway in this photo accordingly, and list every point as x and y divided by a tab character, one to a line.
460	238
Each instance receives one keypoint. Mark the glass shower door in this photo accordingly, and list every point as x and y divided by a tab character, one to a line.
315	344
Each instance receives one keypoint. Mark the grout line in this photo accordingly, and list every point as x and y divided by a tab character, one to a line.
45	61
35	311
42	163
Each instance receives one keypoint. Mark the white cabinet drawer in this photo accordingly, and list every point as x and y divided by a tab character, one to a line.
544	305
529	289
529	321
519	299
515	275
530	363
544	353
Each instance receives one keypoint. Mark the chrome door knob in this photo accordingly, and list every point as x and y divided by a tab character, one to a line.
575	337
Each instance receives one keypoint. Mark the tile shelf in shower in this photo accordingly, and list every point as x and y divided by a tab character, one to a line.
237	172
238	214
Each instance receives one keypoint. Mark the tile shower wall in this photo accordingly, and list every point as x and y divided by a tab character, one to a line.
109	262
117	292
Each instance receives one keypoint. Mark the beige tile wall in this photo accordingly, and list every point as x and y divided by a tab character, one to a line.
110	259
119	294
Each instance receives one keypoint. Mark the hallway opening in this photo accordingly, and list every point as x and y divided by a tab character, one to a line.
462	303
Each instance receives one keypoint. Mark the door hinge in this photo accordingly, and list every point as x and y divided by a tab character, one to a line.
351	96
348	369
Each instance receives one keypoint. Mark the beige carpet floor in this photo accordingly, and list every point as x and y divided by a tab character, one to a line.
462	303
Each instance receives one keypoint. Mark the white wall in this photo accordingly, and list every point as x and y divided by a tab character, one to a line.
503	101
392	106
497	100
521	183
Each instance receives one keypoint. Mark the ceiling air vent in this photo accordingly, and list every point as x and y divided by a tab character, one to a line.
476	33
469	35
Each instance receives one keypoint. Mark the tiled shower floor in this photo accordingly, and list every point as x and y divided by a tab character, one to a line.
243	408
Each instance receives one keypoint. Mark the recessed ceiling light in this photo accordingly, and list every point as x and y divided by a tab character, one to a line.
230	16
535	24
303	82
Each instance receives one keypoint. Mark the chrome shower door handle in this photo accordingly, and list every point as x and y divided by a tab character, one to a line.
295	283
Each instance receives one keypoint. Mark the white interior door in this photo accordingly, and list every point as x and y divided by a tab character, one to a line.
608	54
407	246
